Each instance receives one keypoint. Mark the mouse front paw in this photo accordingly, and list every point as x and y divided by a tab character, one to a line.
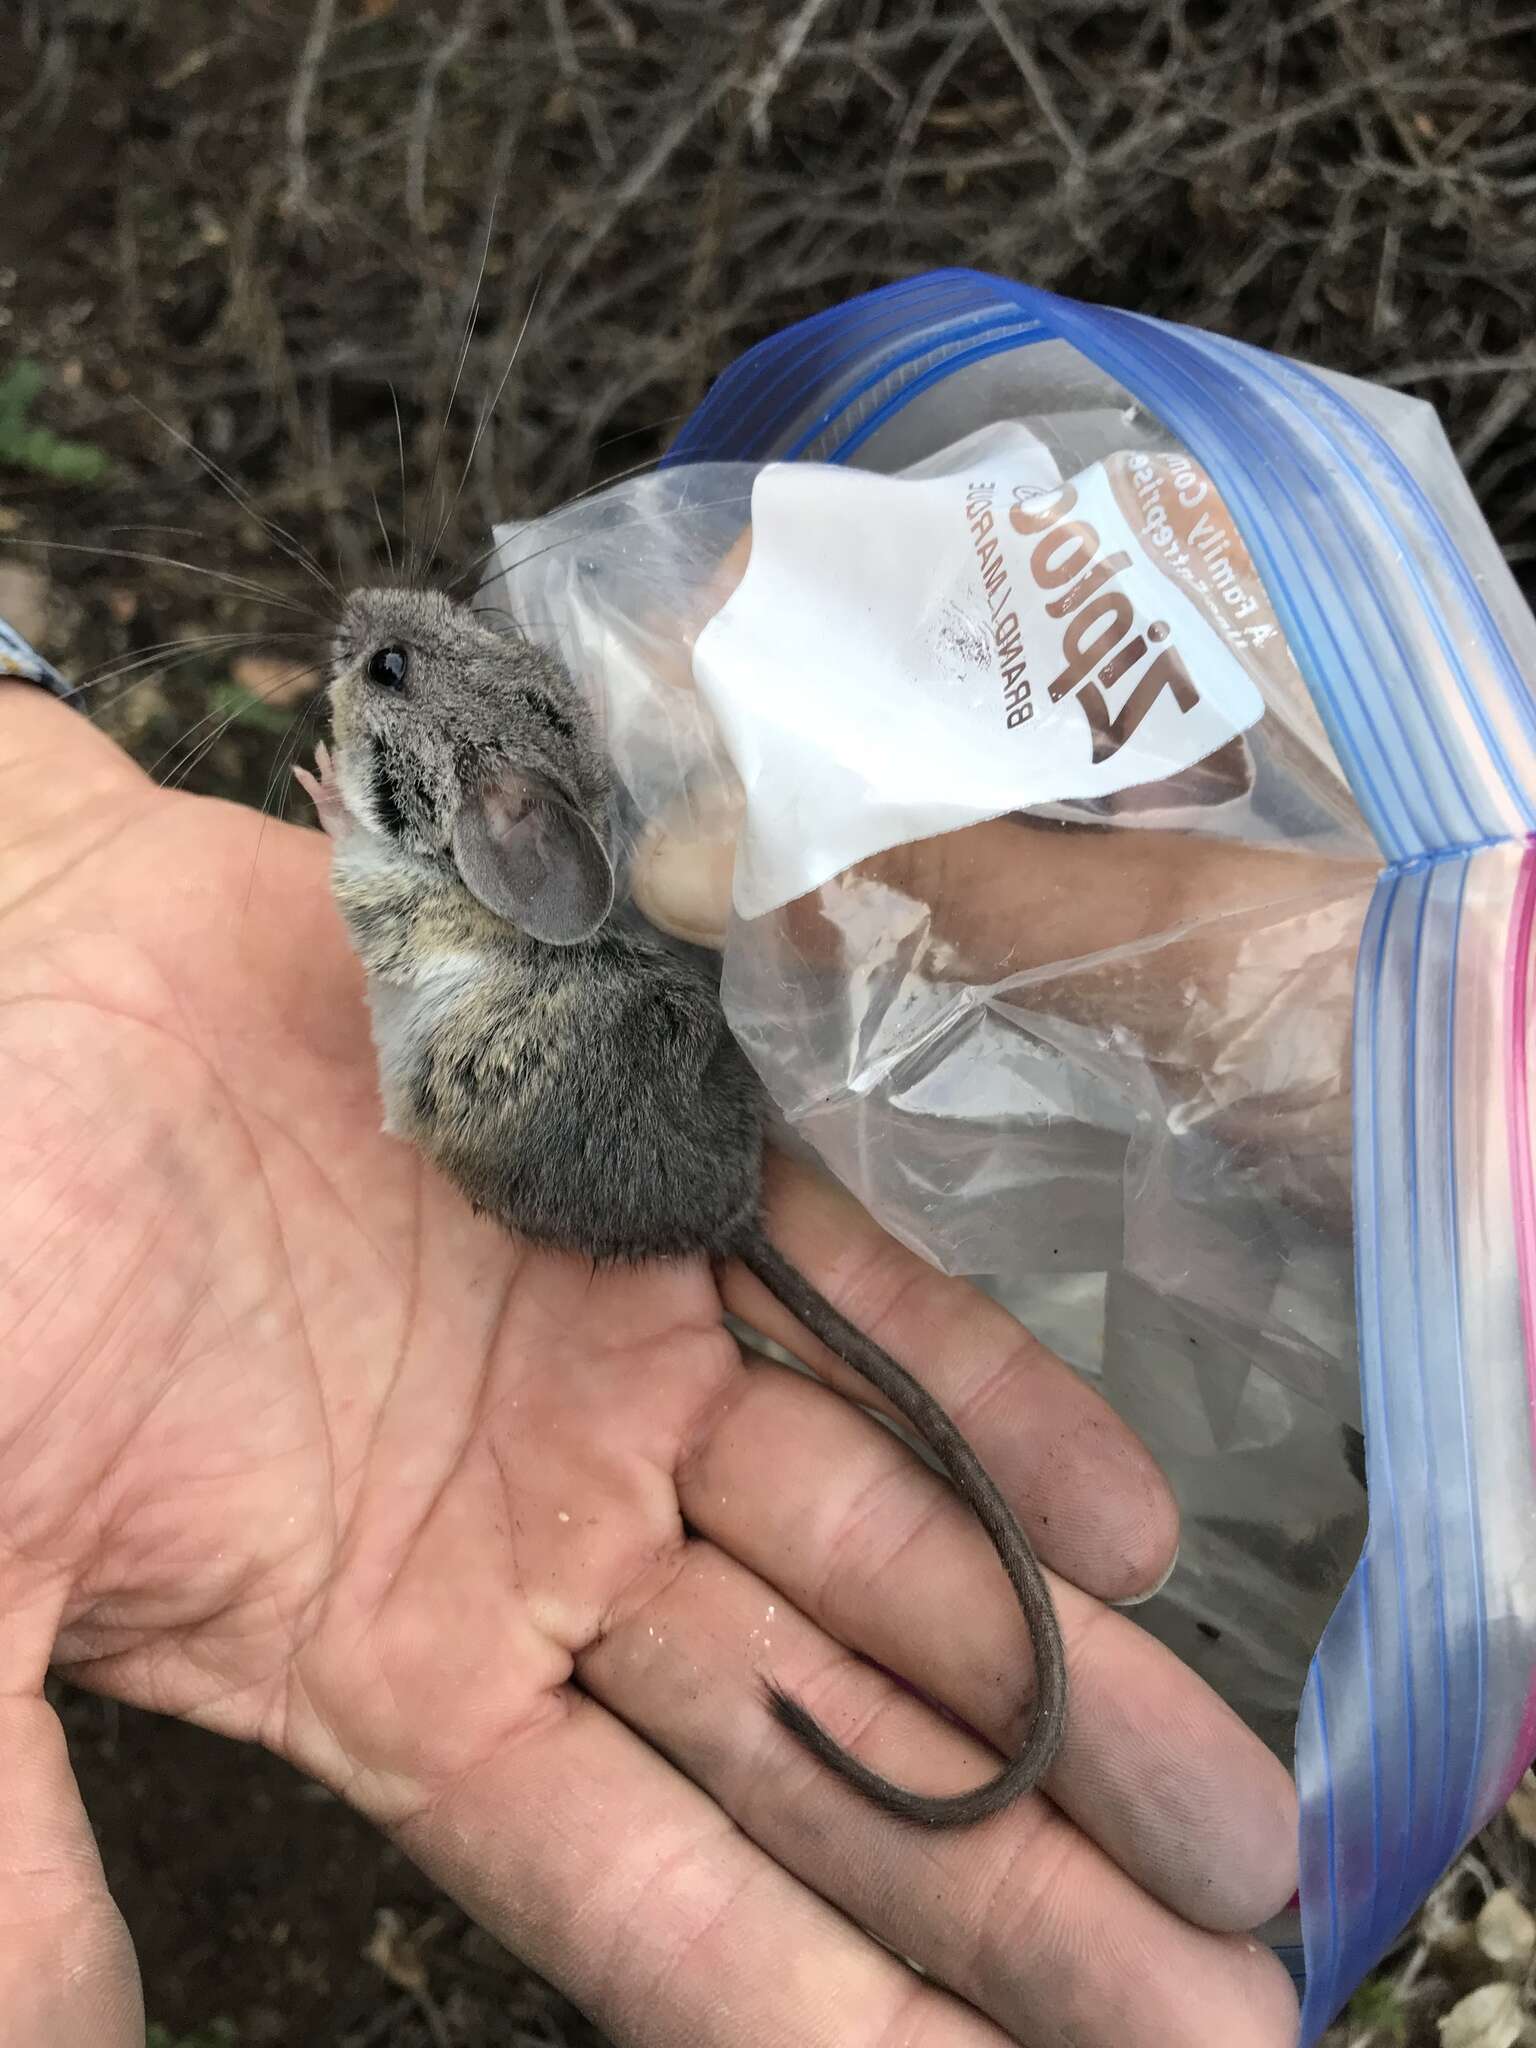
324	793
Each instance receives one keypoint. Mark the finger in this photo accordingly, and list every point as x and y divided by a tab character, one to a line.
1006	896
67	1970
1182	949
825	1506
599	1864
1010	896
1092	1499
1022	1915
72	756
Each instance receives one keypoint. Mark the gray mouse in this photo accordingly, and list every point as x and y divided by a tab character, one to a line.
575	1077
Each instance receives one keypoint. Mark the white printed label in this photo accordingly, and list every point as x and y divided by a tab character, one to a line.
907	655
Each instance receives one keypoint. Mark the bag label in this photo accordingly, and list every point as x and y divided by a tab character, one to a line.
908	654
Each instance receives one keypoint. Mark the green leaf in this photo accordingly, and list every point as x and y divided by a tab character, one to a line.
1377	2011
19	385
36	448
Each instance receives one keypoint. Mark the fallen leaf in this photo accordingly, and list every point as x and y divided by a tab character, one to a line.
1489	2017
392	1949
1506	1931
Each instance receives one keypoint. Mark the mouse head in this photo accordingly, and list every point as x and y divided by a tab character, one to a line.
471	748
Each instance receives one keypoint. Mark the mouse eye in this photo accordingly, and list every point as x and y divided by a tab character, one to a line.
387	667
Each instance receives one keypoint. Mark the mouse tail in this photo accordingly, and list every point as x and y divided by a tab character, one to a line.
918	1408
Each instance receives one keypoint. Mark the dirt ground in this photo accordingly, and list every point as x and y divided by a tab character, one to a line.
263	223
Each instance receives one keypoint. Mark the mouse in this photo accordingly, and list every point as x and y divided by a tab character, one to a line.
570	1071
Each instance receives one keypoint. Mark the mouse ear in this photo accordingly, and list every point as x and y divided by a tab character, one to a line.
534	860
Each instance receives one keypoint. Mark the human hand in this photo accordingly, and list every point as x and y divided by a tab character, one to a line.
1221	975
293	1446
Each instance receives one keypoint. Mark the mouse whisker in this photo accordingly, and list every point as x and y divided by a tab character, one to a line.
287	753
565	539
227	719
612	440
488	413
205	746
244	584
619	476
383	531
458	374
147	657
278	784
405	510
587	491
239	495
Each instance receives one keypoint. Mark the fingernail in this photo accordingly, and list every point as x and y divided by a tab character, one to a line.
1140	1599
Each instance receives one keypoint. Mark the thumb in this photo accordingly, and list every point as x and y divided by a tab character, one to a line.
62	785
67	1969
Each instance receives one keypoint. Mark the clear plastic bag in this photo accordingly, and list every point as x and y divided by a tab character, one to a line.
940	596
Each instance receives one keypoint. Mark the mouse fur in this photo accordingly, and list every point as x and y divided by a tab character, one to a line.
596	1104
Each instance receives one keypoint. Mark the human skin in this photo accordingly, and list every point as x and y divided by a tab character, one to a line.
500	1549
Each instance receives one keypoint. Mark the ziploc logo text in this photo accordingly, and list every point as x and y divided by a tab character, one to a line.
1096	640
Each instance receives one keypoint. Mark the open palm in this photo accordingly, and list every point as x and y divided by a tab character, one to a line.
503	1549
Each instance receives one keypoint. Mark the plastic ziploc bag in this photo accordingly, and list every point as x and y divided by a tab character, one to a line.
943	593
